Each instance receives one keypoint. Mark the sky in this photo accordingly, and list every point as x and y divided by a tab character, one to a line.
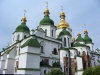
78	13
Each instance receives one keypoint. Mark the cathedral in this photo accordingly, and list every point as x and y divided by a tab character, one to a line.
50	46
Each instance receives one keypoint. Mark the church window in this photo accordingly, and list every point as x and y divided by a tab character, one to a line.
55	51
68	42
64	41
46	32
18	36
41	49
24	36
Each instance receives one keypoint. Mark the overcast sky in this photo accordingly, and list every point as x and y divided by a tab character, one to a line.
78	13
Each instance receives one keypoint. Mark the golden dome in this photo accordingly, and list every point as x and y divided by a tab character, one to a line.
46	11
79	34
24	19
85	32
62	14
63	24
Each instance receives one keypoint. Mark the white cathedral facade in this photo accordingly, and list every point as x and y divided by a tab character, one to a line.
37	51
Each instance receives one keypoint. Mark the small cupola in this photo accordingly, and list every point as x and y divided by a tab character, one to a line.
63	23
23	27
46	20
79	38
87	39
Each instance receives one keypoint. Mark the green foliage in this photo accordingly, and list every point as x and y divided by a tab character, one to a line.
92	71
96	70
88	72
55	71
56	65
44	64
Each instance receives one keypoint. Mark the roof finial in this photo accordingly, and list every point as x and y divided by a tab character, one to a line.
46	12
85	31
62	14
46	4
24	17
62	8
25	12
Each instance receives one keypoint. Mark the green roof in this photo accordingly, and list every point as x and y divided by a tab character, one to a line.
87	39
46	21
31	42
78	45
22	28
64	32
79	39
64	49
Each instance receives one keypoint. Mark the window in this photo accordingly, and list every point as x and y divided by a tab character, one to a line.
41	49
64	41
17	63
18	36
24	36
46	32
42	46
68	42
52	33
55	51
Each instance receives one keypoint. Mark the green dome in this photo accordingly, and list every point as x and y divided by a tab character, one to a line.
64	32
46	21
87	39
78	45
22	28
79	39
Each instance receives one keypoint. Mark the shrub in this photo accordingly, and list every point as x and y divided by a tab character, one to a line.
92	71
55	71
96	70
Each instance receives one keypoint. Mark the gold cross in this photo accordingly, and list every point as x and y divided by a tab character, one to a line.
62	8
85	26
46	4
25	12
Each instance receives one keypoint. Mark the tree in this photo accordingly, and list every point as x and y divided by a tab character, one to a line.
55	71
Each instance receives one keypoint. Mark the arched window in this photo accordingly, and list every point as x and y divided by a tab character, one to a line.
55	51
42	46
41	49
68	42
64	41
18	36
46	32
24	36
